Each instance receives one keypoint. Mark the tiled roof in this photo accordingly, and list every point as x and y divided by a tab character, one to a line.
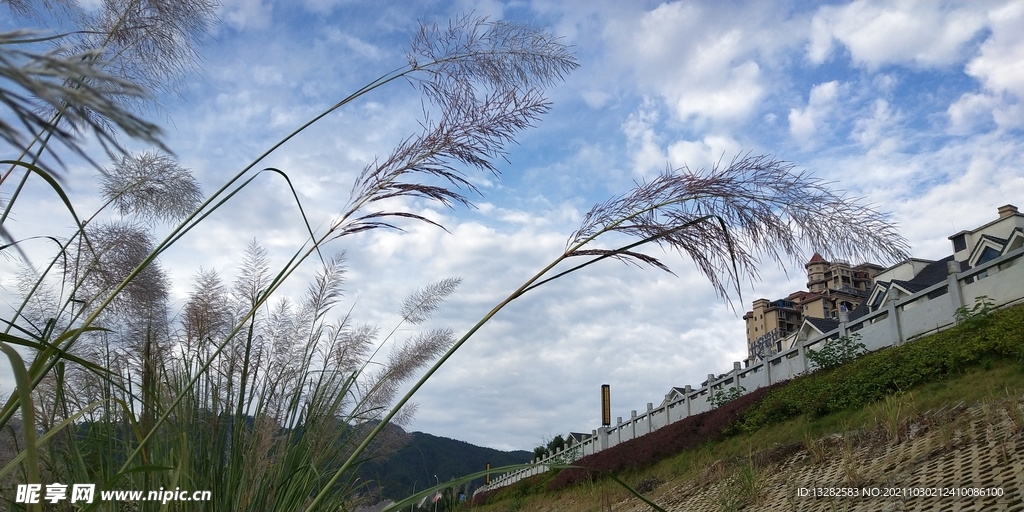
859	311
932	273
907	286
823	324
816	259
579	436
996	239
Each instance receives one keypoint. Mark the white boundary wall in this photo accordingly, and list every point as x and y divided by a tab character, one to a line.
1001	280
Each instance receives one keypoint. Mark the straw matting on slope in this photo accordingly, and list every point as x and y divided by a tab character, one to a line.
978	447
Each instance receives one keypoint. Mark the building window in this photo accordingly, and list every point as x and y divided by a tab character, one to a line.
959	243
988	254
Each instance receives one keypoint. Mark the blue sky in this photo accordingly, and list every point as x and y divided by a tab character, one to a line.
917	107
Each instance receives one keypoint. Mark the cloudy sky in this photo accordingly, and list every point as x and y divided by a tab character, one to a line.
915	106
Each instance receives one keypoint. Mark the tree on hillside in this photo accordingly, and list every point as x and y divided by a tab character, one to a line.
556	445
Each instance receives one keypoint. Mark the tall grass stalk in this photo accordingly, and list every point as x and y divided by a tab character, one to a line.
272	405
723	219
278	417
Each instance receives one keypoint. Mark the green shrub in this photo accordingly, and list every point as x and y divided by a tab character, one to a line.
644	451
837	352
983	306
723	396
876	375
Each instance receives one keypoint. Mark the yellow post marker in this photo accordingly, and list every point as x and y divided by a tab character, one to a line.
606	405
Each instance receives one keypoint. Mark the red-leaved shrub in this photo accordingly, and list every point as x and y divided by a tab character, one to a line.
646	450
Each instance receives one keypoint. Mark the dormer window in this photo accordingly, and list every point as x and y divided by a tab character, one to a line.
988	254
960	243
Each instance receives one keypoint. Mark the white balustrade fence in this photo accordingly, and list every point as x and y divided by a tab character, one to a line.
930	310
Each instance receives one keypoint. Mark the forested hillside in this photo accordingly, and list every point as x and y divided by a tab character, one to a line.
427	455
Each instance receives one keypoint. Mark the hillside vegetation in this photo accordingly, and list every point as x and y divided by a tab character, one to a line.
415	464
878	402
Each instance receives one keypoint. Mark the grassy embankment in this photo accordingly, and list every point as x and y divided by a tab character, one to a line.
982	360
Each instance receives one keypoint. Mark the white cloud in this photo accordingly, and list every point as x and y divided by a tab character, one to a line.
246	14
933	194
969	111
999	68
1009	115
999	65
805	123
978	178
492	9
703	67
645	150
666	84
732	100
924	34
355	44
698	73
596	99
706	153
820	42
322	6
878	133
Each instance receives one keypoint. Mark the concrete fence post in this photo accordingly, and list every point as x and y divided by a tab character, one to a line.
736	367
650	417
688	391
956	293
632	423
894	321
801	351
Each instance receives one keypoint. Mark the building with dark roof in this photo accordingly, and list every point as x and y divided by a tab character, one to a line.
970	249
575	438
833	287
930	274
989	241
836	290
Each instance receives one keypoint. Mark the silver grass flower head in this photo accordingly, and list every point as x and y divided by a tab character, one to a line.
152	187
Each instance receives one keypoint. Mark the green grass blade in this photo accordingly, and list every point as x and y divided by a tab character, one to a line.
45	438
635	492
53	349
51	181
415	498
28	416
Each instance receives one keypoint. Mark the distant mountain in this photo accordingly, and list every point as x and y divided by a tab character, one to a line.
428	455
